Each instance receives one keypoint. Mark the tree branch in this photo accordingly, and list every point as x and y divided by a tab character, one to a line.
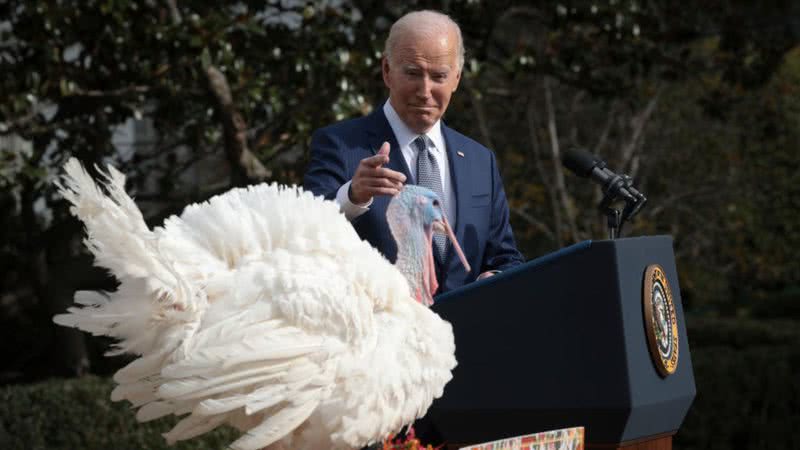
174	13
539	225
480	113
530	116
121	92
674	199
639	122
246	168
556	152
603	139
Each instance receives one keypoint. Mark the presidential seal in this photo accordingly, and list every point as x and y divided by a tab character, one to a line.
660	320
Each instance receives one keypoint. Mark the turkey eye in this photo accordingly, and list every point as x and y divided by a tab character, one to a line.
436	203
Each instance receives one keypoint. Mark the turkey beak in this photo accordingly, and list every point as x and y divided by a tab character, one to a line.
443	227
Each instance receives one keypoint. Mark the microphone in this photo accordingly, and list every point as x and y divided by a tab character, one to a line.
586	165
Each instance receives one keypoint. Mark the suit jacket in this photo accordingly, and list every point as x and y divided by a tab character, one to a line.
481	224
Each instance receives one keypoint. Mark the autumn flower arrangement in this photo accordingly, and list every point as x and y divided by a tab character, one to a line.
407	441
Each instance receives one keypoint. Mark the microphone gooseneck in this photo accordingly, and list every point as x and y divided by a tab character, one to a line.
615	187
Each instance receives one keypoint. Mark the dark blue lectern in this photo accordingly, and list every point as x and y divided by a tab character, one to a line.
560	342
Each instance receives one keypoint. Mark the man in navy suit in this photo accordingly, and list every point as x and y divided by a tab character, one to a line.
362	162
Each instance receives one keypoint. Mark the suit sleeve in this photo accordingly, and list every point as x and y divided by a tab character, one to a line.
501	251
328	169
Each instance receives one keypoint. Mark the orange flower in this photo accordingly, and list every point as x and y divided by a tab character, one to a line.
408	442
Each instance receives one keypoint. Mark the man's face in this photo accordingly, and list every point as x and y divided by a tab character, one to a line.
422	75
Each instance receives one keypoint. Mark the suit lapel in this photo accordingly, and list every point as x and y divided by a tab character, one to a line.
379	131
459	174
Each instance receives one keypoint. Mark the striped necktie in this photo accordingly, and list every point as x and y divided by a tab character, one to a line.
428	176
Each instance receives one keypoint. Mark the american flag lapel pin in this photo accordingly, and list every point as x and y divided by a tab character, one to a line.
460	153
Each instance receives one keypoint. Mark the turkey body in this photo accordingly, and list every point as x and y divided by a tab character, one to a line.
261	309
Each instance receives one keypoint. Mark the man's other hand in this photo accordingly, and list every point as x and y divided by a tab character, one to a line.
487	274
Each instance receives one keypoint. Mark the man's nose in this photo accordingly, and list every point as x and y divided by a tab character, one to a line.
424	87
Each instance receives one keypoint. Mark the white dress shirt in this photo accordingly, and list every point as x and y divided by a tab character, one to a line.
404	138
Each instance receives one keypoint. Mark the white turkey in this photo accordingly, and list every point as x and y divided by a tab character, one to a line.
262	309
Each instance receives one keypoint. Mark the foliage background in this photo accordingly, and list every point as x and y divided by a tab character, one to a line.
189	98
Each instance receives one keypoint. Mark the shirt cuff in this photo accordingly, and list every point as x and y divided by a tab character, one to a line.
350	209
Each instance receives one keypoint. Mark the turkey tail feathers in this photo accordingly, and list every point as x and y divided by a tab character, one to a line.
119	238
120	241
116	232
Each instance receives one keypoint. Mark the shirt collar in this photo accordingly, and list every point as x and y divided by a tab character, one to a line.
404	134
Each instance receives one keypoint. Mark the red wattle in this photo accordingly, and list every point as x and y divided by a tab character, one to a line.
430	268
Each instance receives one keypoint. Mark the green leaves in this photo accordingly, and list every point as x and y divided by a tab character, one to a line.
69	414
725	118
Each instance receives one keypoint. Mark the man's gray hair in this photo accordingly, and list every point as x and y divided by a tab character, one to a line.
426	20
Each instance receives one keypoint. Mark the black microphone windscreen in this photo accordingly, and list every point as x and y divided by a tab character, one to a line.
580	162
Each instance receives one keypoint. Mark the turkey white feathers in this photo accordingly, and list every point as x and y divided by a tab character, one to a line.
262	309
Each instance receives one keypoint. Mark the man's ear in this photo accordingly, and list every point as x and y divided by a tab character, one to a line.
385	71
